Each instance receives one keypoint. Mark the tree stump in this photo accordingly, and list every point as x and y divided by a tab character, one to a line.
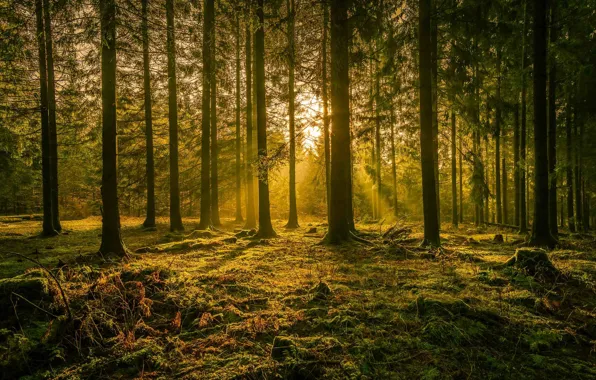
532	260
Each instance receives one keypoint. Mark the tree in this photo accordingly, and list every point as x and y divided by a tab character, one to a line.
205	221
523	223
552	125
175	215
293	217
111	241
214	131
265	226
238	134
325	95
250	197
46	173
569	166
454	218
52	116
340	201
541	232
498	142
150	166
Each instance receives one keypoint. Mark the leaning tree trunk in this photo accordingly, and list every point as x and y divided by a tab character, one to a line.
250	197
293	217
150	165
265	226
46	173
339	213
326	137
175	216
238	134
111	240
205	221
427	146
541	232
214	143
552	128
523	221
52	116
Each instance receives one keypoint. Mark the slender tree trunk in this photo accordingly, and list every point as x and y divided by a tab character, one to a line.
326	137
393	163
378	141
46	173
541	231
250	201
340	202
461	180
505	193
175	216
516	163
52	116
434	22
293	217
111	241
498	143
523	222
427	146
552	127
577	167
454	218
150	166
215	221
265	226
569	165
208	26
238	134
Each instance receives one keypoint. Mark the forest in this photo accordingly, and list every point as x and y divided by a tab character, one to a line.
297	189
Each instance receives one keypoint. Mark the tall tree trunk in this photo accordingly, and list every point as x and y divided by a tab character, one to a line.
427	146
150	166
378	140
541	231
293	217
454	218
523	221
215	221
208	26
393	163
46	173
516	163
576	163
265	226
111	240
238	134
461	180
250	199
505	193
326	137
340	202
498	143
552	127
175	216
434	22
52	116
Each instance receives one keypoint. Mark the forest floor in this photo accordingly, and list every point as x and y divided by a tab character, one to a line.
210	305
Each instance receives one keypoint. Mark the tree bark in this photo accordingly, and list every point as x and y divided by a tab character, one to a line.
552	128
378	140
498	143
265	226
205	221
541	231
516	163
293	217
111	240
393	163
238	134
326	137
454	217
46	173
523	222
427	146
52	116
215	221
461	180
434	22
250	199
150	165
340	202
175	216
569	165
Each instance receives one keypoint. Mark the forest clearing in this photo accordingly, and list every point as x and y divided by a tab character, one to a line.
297	189
210	305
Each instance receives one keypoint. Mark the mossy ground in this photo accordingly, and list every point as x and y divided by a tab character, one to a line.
208	309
